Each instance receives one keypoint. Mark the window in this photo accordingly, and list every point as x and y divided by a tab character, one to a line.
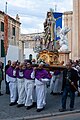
2	26
13	31
2	49
27	45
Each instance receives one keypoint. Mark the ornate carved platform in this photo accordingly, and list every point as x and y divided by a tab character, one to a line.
54	58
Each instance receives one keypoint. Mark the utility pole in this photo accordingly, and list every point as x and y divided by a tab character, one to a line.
6	8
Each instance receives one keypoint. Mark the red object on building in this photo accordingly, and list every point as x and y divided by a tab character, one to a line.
5	33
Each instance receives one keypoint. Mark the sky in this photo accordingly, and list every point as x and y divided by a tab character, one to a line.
32	13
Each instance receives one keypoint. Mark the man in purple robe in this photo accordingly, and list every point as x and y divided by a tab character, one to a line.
41	77
29	86
21	85
11	79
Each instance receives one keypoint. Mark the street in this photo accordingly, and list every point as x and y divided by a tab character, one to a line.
75	116
52	107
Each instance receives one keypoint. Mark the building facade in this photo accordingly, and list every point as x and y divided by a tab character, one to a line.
32	43
76	29
13	35
68	21
72	20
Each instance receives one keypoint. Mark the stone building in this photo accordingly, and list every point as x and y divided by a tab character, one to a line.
72	20
31	44
13	34
76	29
68	21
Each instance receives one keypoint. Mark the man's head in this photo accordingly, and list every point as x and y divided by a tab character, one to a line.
21	65
14	64
68	65
0	64
29	64
41	64
9	62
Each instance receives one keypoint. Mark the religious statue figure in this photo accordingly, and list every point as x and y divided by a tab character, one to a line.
63	41
49	26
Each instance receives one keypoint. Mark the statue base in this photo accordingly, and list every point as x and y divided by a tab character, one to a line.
64	56
54	58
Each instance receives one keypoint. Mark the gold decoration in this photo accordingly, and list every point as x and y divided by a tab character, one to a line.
48	57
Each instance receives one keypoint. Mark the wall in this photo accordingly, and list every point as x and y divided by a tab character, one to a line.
29	51
13	53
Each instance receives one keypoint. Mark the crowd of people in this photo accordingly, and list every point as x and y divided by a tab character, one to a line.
27	84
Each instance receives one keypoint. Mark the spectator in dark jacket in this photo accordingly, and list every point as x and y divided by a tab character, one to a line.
7	84
1	76
70	78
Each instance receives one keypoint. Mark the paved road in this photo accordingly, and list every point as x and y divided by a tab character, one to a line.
12	112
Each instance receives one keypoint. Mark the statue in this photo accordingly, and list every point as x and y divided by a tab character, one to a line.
49	26
63	41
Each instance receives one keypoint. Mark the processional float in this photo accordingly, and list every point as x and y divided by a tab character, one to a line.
54	52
